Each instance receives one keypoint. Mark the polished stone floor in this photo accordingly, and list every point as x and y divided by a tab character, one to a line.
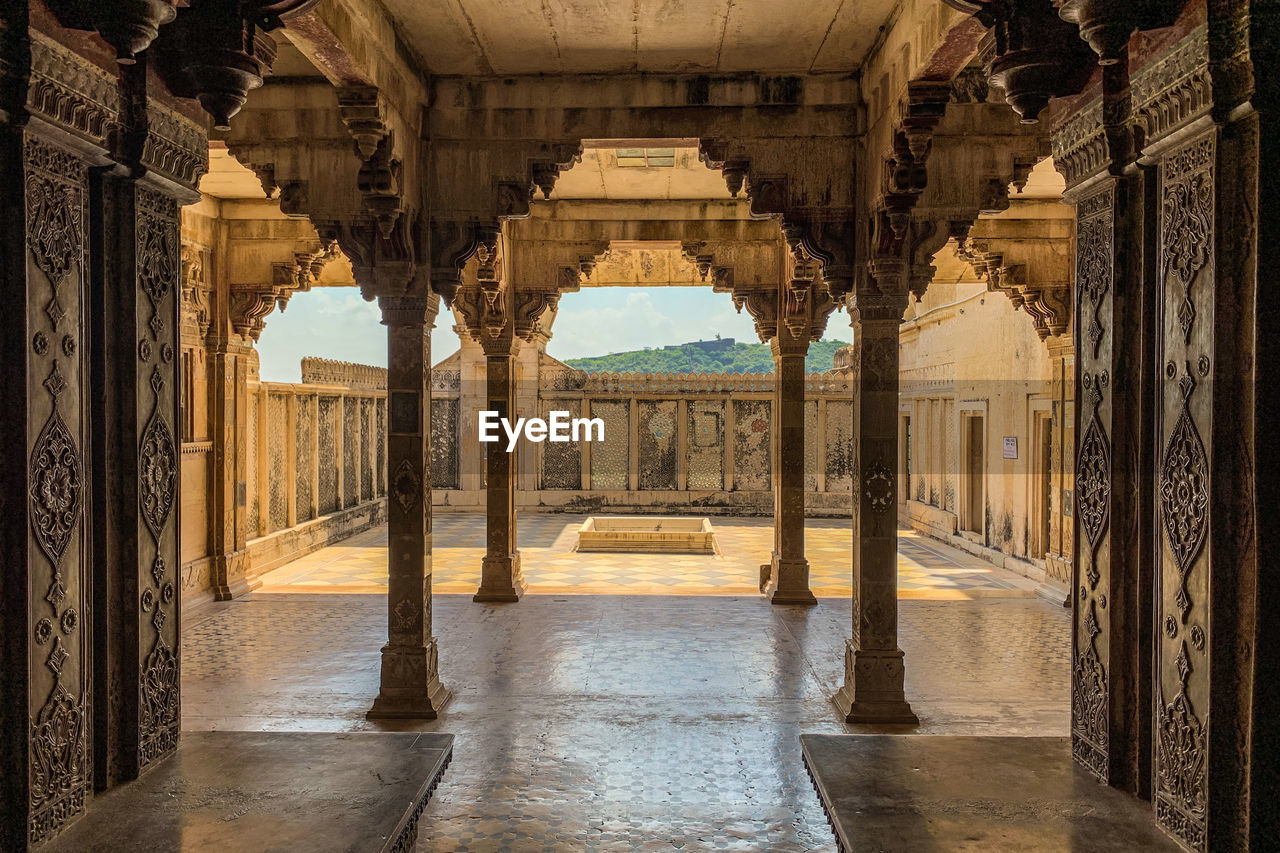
926	568
624	722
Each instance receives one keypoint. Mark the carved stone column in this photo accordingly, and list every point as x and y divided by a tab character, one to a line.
500	576
788	568
411	685
1111	458
136	476
874	666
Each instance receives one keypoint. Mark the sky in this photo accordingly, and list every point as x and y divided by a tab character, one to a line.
334	322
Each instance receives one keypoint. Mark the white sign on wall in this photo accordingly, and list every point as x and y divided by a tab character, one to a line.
1010	447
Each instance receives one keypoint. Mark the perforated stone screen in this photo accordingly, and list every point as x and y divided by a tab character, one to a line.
657	443
609	458
752	461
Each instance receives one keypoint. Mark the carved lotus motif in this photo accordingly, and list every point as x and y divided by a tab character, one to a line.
1188	209
57	488
159	690
158	473
405	485
877	484
1093	482
157	267
1184	491
58	760
53	226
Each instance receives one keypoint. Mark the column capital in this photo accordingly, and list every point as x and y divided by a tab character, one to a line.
409	310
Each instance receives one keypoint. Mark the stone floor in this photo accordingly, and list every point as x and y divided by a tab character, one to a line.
625	722
926	568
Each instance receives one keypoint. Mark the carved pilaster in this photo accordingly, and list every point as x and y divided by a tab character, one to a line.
45	680
1185	690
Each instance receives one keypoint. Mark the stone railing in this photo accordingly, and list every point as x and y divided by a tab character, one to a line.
324	371
672	441
315	466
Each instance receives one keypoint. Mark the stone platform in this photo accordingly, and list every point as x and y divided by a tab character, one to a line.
647	534
253	792
924	793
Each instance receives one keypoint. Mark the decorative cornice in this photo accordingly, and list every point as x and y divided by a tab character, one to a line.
175	146
1175	89
1166	94
1079	145
71	92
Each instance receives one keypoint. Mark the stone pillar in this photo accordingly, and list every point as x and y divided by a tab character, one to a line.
1114	459
45	675
500	577
471	399
229	517
411	685
874	666
136	476
788	569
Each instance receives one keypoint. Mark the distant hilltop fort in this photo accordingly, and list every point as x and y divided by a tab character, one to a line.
709	346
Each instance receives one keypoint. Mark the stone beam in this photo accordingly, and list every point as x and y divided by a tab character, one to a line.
354	44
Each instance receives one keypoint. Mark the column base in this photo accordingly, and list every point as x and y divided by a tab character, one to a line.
501	580
872	690
231	567
411	687
788	582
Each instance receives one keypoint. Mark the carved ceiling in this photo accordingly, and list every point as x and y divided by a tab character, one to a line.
509	37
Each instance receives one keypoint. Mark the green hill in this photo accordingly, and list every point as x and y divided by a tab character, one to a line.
688	358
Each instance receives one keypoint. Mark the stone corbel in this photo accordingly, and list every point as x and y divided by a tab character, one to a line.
1049	309
1107	25
1047	304
570	275
219	52
543	171
798	293
383	265
452	244
1035	57
129	26
531	307
298	275
493	307
365	115
249	308
762	306
379	182
195	290
906	175
927	238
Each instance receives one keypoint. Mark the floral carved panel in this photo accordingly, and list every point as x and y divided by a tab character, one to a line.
1095	272
1187	294
157	293
55	185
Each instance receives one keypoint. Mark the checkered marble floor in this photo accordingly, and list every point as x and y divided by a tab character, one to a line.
926	568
